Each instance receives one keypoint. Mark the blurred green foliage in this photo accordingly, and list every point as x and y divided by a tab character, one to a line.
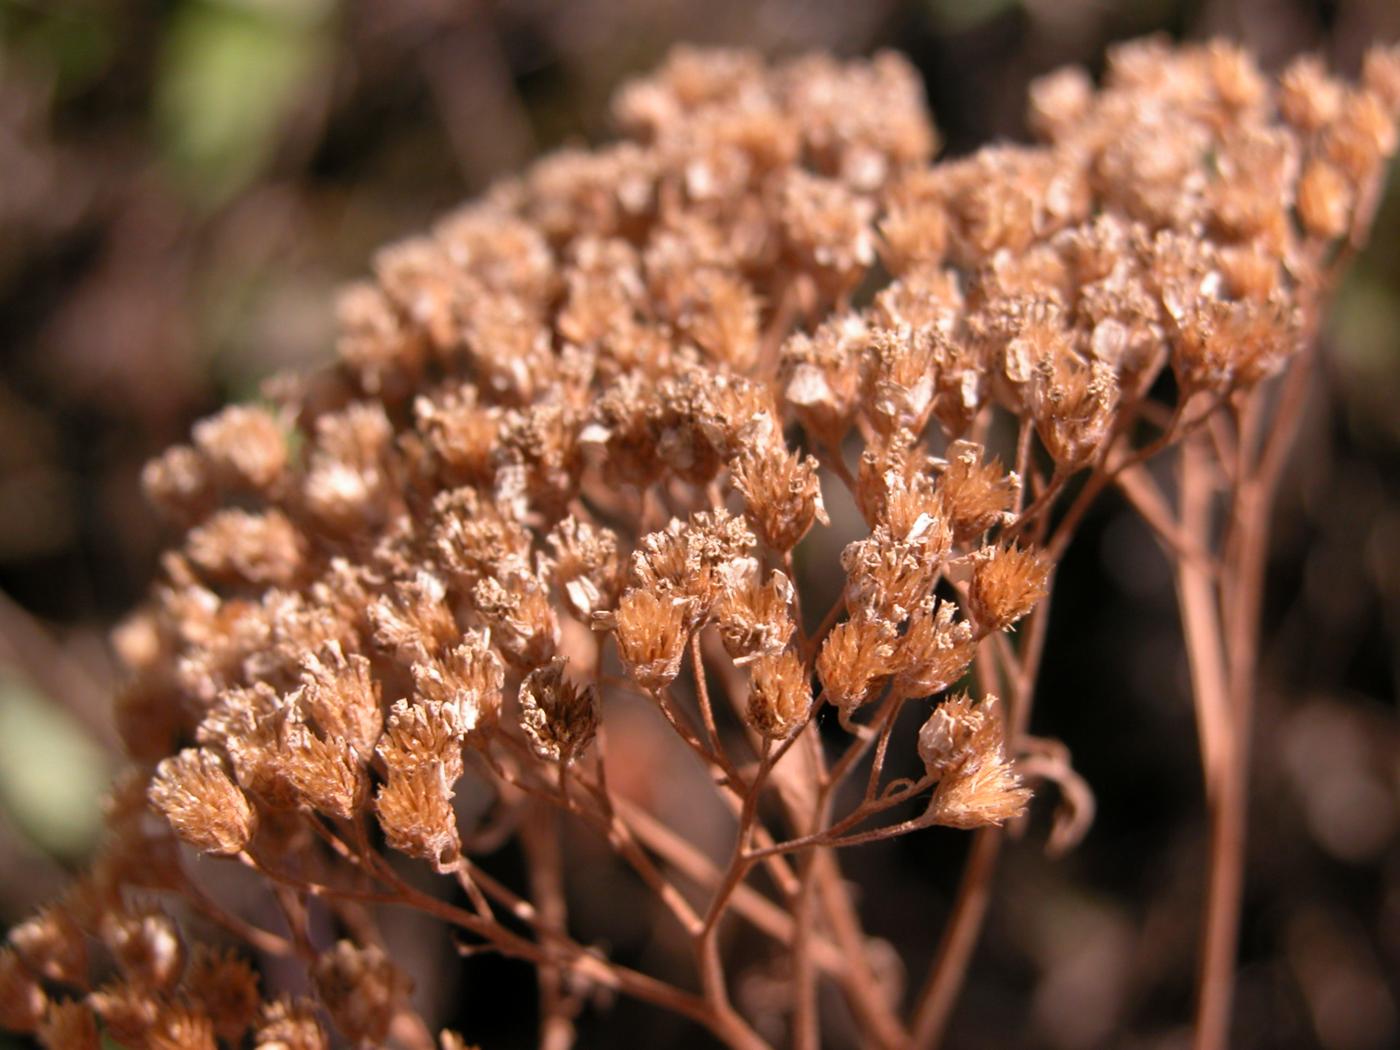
231	72
52	775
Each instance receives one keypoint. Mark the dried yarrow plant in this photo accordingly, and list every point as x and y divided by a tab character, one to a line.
574	448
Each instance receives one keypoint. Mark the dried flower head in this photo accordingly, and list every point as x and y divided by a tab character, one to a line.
203	805
652	631
325	772
755	619
414	807
53	946
584	565
129	1013
182	1027
963	744
559	716
288	1024
69	1025
1006	583
362	989
976	495
934	651
782	495
226	987
22	1000
147	947
855	662
244	446
780	694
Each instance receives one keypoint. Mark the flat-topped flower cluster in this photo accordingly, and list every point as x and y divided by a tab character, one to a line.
573	438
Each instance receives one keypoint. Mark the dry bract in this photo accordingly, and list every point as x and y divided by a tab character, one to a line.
620	393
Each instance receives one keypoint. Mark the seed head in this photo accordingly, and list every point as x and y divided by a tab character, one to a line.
934	651
756	619
52	945
226	987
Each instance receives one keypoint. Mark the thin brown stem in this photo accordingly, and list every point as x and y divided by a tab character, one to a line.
955	949
540	839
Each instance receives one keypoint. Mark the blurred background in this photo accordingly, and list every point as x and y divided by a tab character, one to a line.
183	185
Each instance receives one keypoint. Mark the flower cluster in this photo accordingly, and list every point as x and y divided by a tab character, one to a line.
580	435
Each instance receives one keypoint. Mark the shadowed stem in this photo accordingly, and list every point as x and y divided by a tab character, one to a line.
934	1006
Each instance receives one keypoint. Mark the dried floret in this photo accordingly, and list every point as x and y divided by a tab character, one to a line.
887	578
433	731
1324	200
182	1027
414	621
325	772
1074	408
584	565
255	548
147	947
516	608
244	446
129	1013
782	494
347	480
975	495
465	680
855	662
755	619
934	651
179	482
340	695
